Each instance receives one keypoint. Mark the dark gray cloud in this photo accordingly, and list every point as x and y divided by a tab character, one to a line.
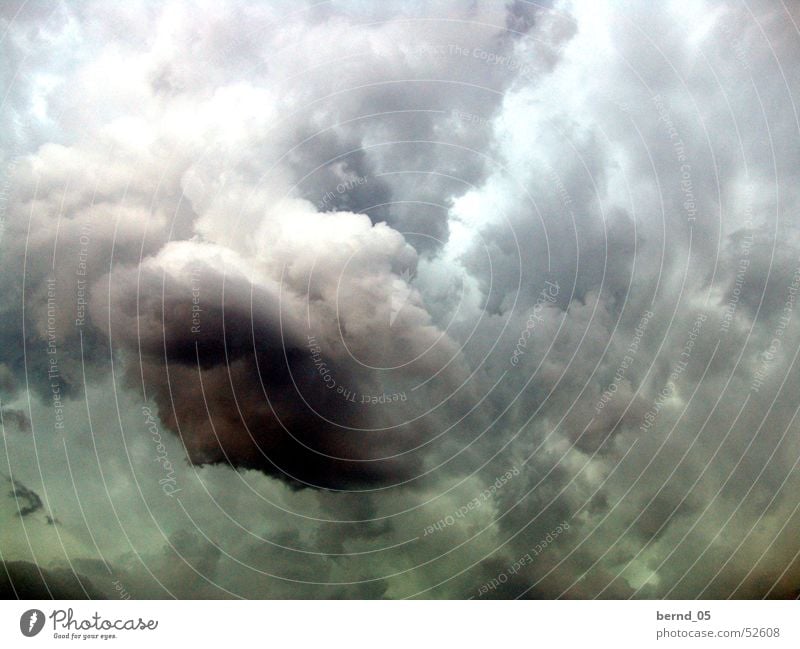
243	386
28	501
25	580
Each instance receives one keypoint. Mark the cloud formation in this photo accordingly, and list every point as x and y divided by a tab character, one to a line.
334	272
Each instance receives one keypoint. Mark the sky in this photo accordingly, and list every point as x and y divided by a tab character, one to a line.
447	300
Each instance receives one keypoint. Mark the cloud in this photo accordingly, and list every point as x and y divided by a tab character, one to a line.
28	501
24	580
342	266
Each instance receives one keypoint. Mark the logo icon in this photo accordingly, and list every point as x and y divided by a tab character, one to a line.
31	622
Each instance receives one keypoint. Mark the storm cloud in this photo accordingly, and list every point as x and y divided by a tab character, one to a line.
386	300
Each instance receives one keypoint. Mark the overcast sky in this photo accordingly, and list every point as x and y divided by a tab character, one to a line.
400	299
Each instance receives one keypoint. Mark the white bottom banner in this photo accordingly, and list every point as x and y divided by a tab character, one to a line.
378	624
